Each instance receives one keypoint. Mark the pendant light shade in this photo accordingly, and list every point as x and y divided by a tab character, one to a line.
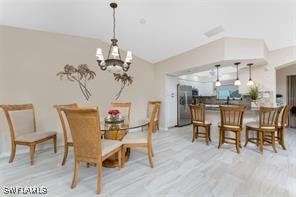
250	82
237	81
218	83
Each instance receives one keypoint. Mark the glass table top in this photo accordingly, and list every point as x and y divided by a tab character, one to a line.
124	125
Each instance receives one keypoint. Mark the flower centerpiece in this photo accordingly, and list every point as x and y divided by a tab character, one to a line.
114	116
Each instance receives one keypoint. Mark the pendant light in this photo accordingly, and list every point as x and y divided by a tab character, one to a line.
237	81
218	83
250	82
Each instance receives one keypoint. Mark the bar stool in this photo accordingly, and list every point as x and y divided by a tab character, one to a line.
198	120
231	120
268	124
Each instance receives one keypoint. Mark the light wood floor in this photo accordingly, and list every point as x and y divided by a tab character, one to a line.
181	168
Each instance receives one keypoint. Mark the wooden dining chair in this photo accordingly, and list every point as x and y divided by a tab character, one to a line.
267	125
150	108
124	108
282	125
66	129
141	139
197	113
22	127
88	146
231	120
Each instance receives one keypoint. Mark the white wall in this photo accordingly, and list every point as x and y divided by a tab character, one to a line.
28	66
281	80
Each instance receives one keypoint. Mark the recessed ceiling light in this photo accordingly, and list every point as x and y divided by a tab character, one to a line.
142	21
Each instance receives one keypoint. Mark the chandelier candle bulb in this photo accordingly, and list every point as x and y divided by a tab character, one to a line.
129	55
115	51
99	52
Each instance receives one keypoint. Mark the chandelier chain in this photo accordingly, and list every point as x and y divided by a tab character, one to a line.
114	23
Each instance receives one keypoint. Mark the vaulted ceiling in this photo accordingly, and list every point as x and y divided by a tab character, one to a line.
158	29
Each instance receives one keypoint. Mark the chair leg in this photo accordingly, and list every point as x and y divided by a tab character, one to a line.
196	133
152	151
123	150
220	138
207	135
119	155
150	156
32	153
239	139
76	174
54	139
193	134
12	154
247	136
210	133
99	182
282	138
261	138
237	142
65	154
273	141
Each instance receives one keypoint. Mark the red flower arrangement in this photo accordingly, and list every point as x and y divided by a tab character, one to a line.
113	112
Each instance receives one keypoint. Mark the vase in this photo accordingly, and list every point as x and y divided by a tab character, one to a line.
114	119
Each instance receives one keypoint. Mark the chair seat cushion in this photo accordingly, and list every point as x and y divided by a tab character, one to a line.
229	126
109	146
255	125
36	136
135	138
201	123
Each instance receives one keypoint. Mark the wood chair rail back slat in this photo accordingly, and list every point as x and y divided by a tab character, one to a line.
232	115
197	113
124	108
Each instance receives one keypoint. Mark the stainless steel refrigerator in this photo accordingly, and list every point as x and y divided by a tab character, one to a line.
184	95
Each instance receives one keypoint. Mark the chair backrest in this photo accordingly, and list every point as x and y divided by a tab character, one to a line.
197	113
268	117
85	130
150	108
20	118
285	116
154	112
124	108
63	119
232	115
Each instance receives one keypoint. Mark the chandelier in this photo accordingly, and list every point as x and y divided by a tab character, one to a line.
113	63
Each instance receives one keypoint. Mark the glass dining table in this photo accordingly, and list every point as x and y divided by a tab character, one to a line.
116	131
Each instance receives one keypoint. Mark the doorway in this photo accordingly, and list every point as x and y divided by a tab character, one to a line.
291	99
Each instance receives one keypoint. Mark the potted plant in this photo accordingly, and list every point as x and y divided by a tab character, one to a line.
254	95
279	99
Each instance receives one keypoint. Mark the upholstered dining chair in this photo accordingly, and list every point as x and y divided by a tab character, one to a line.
150	108
66	129
267	125
22	127
88	146
197	113
124	108
231	120
141	139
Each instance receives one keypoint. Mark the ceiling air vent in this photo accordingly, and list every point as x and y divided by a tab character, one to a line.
214	31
